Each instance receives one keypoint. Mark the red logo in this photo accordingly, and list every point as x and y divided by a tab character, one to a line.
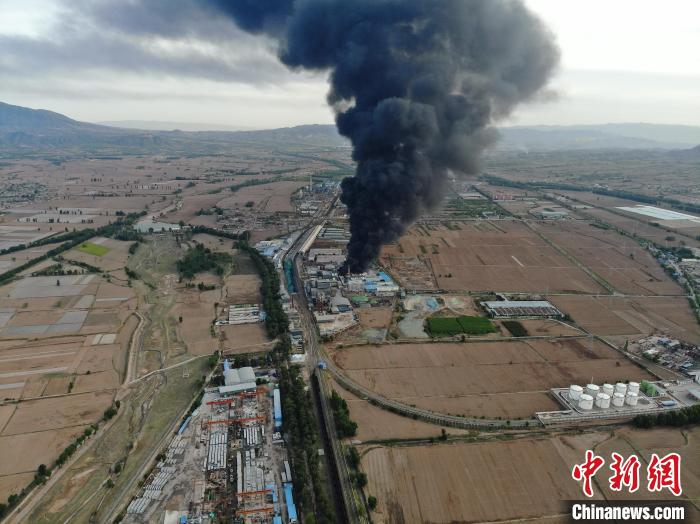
587	471
665	473
662	473
625	473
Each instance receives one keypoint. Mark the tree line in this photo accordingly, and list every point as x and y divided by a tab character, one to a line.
299	422
675	418
618	193
73	239
43	472
276	322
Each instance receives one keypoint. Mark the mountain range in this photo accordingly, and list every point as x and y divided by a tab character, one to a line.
25	131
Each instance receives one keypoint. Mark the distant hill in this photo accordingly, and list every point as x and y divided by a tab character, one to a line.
687	154
317	134
26	132
566	139
156	125
604	136
17	118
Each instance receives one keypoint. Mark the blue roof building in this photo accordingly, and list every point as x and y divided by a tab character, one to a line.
184	425
289	500
277	405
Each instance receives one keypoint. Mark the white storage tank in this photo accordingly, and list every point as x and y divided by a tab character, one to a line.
592	390
608	389
618	400
575	392
585	402
602	400
631	399
633	387
620	388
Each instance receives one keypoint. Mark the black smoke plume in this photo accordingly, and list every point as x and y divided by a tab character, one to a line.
416	85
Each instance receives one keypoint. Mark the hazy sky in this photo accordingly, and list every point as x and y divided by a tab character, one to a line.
96	60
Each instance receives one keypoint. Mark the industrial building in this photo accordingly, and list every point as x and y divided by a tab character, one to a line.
277	408
289	500
335	234
237	381
245	314
617	401
547	214
521	308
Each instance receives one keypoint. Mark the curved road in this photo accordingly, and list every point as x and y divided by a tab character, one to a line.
316	354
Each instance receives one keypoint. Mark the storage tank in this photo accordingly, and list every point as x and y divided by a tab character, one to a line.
631	399
608	389
621	388
575	392
592	390
633	387
602	400
585	402
618	400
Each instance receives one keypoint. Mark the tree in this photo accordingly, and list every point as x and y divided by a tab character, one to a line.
372	502
353	458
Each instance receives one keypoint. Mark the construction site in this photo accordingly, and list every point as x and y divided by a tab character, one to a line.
227	461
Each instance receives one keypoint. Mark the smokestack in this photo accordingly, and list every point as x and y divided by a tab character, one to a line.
416	86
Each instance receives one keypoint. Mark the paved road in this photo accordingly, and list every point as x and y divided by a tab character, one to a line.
353	506
316	354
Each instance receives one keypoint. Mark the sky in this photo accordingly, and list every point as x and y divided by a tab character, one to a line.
107	60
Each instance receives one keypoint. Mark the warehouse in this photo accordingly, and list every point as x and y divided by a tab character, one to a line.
238	380
521	308
277	408
244	314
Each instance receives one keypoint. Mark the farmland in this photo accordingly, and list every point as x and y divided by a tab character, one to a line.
632	317
488	256
465	482
620	261
450	326
93	249
63	347
490	379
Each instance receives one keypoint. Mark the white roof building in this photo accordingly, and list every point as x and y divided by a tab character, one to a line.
236	376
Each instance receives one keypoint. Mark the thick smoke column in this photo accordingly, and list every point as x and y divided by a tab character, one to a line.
416	85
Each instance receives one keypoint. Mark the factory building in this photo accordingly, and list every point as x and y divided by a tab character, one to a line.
335	234
521	308
238	381
545	214
244	314
277	407
289	500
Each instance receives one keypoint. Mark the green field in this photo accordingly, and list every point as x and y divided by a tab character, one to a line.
515	328
450	326
92	249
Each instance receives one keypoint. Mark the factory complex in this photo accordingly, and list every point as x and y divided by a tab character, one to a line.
623	400
227	461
